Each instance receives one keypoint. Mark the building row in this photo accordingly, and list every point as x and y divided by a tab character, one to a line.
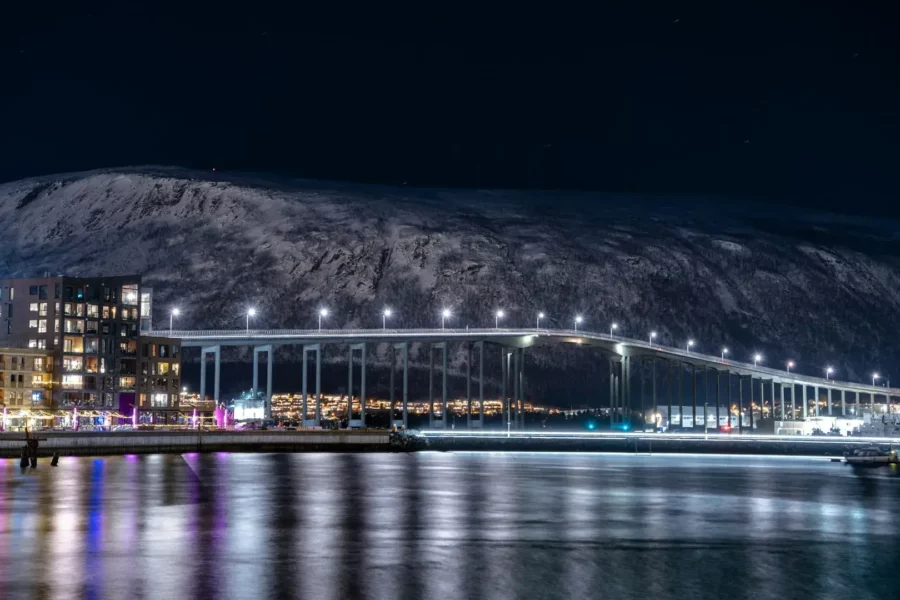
75	344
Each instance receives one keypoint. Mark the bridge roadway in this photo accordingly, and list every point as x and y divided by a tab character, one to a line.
620	350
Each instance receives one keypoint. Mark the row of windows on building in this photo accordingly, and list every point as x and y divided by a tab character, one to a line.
14	380
71	398
87	382
158	400
77	326
22	398
91	311
23	363
101	293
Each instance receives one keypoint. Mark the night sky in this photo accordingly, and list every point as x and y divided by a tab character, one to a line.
790	103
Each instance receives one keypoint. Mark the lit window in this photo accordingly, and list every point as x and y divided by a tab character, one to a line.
42	309
176	367
93	310
37	379
72	381
130	294
32	343
163	368
33	307
39	363
32	324
126	383
42	344
42	326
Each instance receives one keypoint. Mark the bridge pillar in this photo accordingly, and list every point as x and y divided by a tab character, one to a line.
432	422
504	373
404	347
740	404
362	387
516	387
828	391
681	393
783	412
612	392
669	391
752	397
257	350
843	403
305	421
655	401
694	394
480	384
522	388
468	385
718	400
216	351
804	395
816	405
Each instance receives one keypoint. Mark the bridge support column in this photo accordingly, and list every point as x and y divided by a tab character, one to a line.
504	370
469	385
267	350
216	351
816	405
432	422
783	412
694	394
669	393
480	384
828	391
625	403
740	404
805	400
612	392
404	348
752	398
655	401
642	407
681	393
718	400
772	395
843	403
362	386
522	388
305	421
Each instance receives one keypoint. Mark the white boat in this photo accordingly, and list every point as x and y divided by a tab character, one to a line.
871	456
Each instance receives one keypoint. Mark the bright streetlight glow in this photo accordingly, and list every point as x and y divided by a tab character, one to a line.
445	314
875	376
175	312
790	365
652	335
323	312
384	317
724	352
612	328
540	316
578	321
828	372
251	312
689	344
756	359
497	318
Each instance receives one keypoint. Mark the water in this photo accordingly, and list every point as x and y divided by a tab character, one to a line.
448	526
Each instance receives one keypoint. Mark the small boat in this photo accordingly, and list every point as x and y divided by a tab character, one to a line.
871	456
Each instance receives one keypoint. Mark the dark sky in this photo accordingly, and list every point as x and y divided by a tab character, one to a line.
795	102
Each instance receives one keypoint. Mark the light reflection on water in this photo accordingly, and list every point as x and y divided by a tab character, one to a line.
445	525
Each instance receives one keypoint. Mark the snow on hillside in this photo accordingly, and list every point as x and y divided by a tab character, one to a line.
817	288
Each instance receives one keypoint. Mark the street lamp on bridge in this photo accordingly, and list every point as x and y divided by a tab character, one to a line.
251	312
384	318
652	335
497	317
445	314
578	321
875	377
612	328
828	372
323	312
689	344
756	359
724	352
540	316
790	365
175	312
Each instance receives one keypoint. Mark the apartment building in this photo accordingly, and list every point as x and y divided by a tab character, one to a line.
160	379
89	326
26	378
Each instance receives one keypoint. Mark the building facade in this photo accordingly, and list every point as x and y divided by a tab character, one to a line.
26	379
91	328
160	379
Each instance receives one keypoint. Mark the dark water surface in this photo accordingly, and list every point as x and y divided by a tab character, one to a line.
447	526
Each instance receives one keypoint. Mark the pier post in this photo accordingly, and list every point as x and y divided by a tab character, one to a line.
740	403
694	394
783	407
718	400
318	384
481	383
468	385
516	390
504	367
681	393
304	390
431	386
655	404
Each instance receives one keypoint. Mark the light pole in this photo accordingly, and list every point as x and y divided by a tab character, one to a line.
612	328
540	316
828	372
251	312
497	317
790	365
689	344
578	320
756	359
323	312
875	377
384	317
445	314
175	312
724	352
652	335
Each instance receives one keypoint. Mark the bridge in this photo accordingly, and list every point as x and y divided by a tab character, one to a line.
620	351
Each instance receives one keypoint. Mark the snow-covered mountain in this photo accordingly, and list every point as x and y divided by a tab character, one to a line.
817	288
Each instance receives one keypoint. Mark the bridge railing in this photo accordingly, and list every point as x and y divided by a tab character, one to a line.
312	334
